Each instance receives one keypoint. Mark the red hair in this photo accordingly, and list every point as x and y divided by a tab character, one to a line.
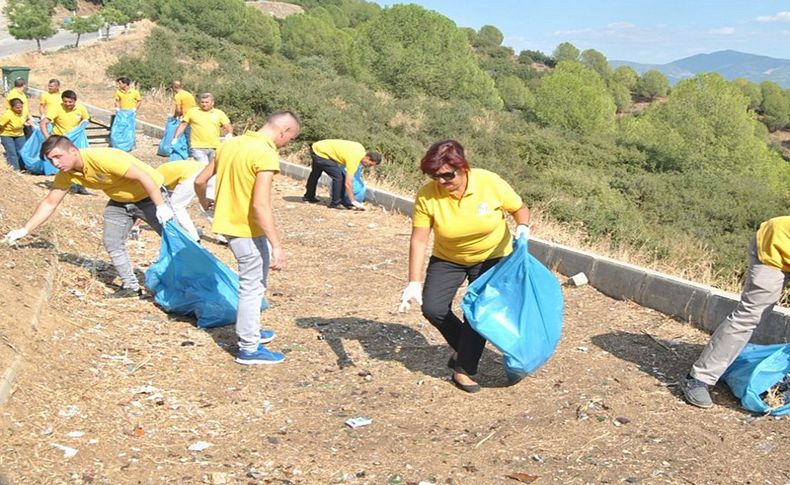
445	152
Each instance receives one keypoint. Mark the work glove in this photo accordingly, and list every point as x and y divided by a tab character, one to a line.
13	236
173	142
163	213
413	291
522	230
358	205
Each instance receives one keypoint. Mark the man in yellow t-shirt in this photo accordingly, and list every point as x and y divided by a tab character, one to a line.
179	179
64	116
126	97
12	134
245	167
133	187
50	98
328	156
183	99
766	278
206	123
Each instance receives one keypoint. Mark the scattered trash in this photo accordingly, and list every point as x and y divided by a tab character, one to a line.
219	478
537	458
579	279
582	349
70	411
372	226
199	446
67	451
632	480
522	477
621	420
145	390
48	430
138	431
187	343
75	434
358	422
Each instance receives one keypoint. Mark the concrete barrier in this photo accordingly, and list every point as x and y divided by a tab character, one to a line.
700	305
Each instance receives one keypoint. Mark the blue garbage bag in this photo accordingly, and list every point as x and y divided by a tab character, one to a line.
31	151
517	306
754	371
357	185
179	151
122	131
189	280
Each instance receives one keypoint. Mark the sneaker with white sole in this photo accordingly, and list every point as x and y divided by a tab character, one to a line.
267	336
696	392
260	356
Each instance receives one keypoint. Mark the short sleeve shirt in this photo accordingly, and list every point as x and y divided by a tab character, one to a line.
11	124
184	100
64	121
15	93
471	229
205	126
344	152
105	169
773	243
127	99
176	172
238	162
48	100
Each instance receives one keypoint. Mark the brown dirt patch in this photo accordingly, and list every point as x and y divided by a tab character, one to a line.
277	9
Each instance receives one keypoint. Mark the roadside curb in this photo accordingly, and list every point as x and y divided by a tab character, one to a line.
702	306
11	372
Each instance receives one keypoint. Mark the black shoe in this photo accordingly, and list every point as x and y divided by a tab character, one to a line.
311	200
470	388
127	293
341	207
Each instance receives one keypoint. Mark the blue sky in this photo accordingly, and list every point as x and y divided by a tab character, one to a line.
653	32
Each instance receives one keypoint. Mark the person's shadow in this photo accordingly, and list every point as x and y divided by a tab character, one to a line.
668	361
399	343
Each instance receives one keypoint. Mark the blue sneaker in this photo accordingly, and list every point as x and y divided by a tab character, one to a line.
267	336
260	356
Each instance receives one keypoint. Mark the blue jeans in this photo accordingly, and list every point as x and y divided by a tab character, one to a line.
13	145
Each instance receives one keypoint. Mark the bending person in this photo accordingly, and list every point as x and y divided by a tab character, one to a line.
465	208
179	179
328	156
766	277
133	187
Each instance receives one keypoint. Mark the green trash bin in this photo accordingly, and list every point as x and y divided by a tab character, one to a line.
11	74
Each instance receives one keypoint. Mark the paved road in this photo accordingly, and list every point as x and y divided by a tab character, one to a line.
10	46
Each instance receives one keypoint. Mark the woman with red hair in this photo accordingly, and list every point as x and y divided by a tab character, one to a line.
465	208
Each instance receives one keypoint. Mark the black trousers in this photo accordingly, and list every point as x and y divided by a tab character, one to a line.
442	281
337	190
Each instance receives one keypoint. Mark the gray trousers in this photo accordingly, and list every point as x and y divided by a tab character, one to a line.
761	290
204	155
119	218
252	255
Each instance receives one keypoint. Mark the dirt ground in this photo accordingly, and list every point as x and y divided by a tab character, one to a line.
137	392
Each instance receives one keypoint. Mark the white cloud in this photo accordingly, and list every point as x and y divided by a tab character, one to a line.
779	17
723	31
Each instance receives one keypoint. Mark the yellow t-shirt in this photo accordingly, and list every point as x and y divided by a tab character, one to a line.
344	152
184	100
127	99
105	169
176	172
205	126
64	121
238	162
16	93
11	124
471	229
773	243
48	100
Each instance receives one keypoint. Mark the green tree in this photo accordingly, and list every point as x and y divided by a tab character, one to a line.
575	98
218	18
751	91
652	84
112	16
597	62
776	113
83	25
258	31
565	52
305	35
30	20
621	95
134	10
514	93
359	11
68	4
626	76
489	36
411	50
529	56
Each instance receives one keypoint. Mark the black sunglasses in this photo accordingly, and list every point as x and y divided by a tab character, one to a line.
446	176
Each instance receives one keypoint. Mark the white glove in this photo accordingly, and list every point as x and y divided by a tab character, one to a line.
173	142
358	205
227	137
13	236
413	291
117	109
163	213
522	230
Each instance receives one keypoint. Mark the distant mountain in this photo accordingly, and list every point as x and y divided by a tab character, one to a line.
730	64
